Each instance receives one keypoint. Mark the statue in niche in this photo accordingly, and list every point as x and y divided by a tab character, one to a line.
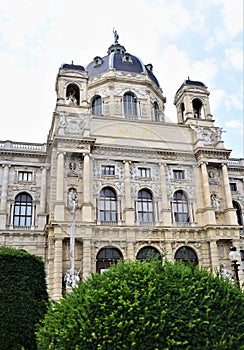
72	199
72	166
215	201
71	99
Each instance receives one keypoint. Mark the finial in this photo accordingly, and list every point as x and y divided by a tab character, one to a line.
188	77
116	36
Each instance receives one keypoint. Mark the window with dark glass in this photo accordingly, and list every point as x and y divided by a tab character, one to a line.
107	256
145	206
108	205
25	175
130	104
97	106
186	255
108	170
147	253
22	210
233	187
180	207
178	174
144	172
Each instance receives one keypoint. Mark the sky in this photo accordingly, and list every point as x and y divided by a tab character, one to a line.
200	39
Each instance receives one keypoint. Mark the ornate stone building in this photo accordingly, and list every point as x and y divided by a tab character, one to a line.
115	179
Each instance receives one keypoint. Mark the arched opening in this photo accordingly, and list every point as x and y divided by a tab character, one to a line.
182	110
108	205
186	255
156	114
197	107
145	206
72	95
22	210
180	207
147	253
107	256
130	104
96	106
239	217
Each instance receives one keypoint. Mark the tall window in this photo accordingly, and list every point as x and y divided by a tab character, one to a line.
23	210
180	207
130	104
108	205
97	106
144	206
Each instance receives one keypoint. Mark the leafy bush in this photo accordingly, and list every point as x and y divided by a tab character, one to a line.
147	306
23	298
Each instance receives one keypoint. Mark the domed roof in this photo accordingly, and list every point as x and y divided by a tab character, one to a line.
118	59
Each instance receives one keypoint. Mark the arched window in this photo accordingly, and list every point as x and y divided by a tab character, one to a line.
146	253
145	206
23	210
130	104
107	256
72	95
156	115
197	107
180	207
237	206
186	255
97	106
108	205
182	109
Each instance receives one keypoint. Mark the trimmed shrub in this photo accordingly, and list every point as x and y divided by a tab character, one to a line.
147	306
23	298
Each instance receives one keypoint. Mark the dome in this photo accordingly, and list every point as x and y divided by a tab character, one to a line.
118	59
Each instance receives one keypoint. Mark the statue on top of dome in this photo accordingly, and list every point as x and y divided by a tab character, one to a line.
116	36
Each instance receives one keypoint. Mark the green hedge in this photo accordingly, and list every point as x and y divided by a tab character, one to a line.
147	306
23	298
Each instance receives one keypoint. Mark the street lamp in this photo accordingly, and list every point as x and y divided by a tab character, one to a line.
234	257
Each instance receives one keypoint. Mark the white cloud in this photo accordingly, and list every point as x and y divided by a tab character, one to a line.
236	125
234	58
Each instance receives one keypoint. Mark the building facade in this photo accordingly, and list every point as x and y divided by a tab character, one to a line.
115	180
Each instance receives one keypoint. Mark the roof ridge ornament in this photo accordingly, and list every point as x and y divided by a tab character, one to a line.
116	36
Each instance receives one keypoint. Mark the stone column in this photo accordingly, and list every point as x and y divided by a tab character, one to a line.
59	206
230	213
129	210
60	177
169	252
165	218
87	268
87	206
43	197
214	253
57	268
208	210
4	195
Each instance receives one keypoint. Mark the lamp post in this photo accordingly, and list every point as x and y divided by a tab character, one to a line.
234	257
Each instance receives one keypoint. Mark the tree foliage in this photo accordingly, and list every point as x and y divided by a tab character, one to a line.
147	306
23	298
